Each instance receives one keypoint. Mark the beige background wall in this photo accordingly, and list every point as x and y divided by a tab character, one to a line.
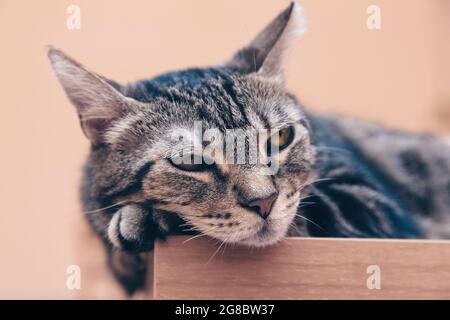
397	75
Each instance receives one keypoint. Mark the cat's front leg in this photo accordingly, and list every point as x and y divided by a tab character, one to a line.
133	229
129	268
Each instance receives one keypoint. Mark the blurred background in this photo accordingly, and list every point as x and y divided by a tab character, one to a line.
397	75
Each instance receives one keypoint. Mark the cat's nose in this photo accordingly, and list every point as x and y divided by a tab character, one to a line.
263	206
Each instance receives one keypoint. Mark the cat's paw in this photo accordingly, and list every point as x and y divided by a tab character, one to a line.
132	229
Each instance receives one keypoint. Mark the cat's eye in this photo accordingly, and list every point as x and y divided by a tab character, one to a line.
280	140
194	163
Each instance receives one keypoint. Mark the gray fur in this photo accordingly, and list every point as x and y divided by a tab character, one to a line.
359	179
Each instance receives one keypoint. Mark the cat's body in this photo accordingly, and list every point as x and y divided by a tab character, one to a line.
336	177
377	182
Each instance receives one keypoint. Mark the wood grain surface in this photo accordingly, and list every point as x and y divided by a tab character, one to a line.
302	268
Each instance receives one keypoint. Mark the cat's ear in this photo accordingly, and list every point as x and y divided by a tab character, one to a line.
98	101
264	54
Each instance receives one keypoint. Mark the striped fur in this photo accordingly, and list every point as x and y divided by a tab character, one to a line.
338	177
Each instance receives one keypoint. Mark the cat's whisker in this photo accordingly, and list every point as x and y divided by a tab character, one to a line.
194	228
307	197
324	180
335	149
191	215
218	249
305	203
107	207
293	225
185	225
224	248
201	234
195	237
309	220
190	229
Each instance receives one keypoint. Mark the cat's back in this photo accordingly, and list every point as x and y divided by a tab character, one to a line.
414	168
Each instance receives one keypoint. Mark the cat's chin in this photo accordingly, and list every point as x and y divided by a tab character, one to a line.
267	236
258	242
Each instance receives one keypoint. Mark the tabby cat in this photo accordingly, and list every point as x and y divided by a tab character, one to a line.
337	177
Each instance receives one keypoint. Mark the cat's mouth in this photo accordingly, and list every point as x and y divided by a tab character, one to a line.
267	234
265	231
270	230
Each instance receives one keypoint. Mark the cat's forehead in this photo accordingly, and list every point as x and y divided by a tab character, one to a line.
217	96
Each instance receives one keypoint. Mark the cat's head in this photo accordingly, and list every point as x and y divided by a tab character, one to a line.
135	133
